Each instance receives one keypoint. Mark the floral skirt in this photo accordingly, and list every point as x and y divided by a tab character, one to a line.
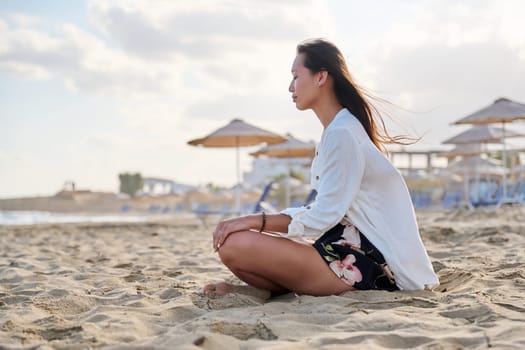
354	259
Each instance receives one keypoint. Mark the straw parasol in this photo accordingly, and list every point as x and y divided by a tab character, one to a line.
237	134
292	148
501	111
473	139
484	166
481	134
464	150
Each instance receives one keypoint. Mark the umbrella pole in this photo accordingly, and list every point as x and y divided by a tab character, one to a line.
287	198
467	191
238	187
478	189
504	158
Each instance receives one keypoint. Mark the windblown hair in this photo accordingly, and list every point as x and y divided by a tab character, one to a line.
322	55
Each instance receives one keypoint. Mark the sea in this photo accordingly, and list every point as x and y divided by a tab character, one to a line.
15	217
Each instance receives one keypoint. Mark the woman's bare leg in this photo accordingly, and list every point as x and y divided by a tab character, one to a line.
278	265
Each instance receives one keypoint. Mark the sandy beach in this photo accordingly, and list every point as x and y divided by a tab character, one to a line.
138	286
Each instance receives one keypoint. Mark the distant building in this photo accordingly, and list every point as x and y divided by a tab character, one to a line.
155	186
264	169
409	162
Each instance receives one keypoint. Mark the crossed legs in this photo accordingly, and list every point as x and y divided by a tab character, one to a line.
278	265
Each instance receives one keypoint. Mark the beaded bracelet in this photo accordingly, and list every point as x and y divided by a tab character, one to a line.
263	222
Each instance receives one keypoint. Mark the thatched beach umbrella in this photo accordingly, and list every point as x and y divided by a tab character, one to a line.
464	150
237	134
501	111
292	148
476	165
481	134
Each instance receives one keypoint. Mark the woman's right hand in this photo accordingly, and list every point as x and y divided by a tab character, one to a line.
229	226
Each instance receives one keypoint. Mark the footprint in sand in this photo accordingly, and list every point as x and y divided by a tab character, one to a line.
243	331
225	295
479	314
454	280
169	293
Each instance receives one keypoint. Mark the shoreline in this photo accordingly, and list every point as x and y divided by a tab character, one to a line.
32	217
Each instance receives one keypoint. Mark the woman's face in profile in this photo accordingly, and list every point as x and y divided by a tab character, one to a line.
303	86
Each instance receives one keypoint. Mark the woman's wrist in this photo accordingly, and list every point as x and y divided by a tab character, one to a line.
274	223
263	222
256	221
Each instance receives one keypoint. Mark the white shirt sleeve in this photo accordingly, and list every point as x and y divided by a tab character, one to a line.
340	173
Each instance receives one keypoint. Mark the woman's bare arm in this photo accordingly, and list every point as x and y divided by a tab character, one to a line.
276	223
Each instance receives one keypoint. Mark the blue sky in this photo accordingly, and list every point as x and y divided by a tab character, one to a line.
89	89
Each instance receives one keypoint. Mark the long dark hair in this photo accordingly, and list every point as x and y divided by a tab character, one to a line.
321	54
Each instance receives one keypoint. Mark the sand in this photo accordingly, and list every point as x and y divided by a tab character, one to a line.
138	286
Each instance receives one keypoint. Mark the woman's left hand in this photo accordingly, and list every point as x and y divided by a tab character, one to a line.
229	226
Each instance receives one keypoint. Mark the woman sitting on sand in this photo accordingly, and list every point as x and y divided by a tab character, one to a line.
361	231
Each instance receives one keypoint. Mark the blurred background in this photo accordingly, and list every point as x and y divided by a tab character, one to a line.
90	90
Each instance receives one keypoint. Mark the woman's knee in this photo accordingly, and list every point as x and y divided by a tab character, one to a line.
235	247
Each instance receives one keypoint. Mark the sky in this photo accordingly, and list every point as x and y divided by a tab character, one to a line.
91	89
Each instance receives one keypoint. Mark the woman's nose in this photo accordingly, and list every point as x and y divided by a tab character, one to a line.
290	88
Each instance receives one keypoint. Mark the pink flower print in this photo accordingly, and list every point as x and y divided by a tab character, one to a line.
345	243
351	234
350	238
345	270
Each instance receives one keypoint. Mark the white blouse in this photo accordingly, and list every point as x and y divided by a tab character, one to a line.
355	181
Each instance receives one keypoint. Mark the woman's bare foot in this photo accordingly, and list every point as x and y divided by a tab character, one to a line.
223	288
217	289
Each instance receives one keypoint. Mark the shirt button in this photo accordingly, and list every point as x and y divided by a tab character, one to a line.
308	207
317	177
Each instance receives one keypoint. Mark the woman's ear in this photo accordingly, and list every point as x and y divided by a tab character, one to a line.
322	77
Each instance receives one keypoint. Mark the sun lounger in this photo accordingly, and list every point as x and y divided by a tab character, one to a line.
203	213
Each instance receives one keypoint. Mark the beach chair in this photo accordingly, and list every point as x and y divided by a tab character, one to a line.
310	198
452	200
516	193
261	203
421	199
491	198
203	212
302	203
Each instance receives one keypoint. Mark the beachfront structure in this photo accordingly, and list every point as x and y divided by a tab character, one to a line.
158	186
414	161
265	169
410	161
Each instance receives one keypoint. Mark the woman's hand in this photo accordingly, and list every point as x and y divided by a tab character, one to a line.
229	226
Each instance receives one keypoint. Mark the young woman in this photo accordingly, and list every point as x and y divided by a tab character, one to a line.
361	231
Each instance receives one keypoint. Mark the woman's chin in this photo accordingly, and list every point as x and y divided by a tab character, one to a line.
300	107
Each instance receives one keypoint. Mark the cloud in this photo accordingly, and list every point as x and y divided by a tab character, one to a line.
205	29
189	50
75	56
443	62
437	70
